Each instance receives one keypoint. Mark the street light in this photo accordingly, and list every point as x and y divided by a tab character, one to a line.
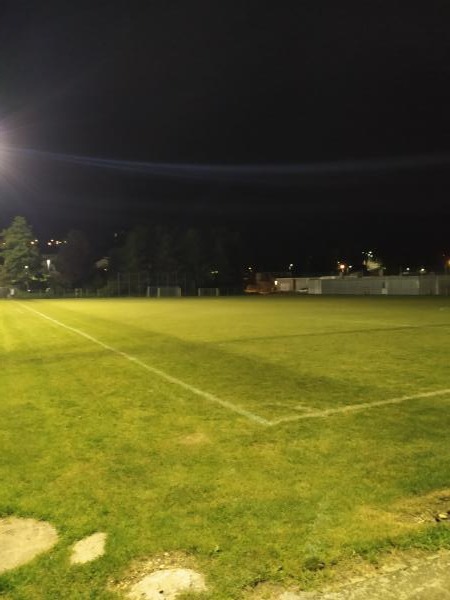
26	267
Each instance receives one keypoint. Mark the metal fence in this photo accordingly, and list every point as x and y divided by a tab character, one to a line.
136	284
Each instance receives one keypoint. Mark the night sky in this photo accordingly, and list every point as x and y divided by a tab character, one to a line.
335	85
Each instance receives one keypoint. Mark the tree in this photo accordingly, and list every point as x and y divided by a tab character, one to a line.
192	252
20	254
133	255
74	260
164	255
224	264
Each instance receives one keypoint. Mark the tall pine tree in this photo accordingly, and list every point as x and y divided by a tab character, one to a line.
19	253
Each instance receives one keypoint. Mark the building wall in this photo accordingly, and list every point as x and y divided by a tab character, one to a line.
411	285
359	286
400	286
443	285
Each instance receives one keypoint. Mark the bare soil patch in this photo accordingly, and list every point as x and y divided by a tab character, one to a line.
434	506
167	584
23	539
195	439
161	577
399	575
88	549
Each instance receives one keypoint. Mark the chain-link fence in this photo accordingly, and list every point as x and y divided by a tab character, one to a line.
138	284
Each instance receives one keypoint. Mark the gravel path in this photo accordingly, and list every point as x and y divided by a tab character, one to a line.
428	579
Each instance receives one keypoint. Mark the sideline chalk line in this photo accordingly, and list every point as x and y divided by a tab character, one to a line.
355	407
229	405
187	386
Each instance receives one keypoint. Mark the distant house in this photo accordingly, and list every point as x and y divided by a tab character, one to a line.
260	283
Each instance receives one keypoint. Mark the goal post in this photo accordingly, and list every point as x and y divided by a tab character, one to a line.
208	291
168	291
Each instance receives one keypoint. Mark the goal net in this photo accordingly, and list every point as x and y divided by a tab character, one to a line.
208	291
163	291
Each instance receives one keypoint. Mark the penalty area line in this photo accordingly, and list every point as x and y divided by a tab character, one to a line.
162	374
356	407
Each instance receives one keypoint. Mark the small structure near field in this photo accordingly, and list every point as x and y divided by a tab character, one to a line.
260	283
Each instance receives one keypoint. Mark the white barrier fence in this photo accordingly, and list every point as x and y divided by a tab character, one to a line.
391	285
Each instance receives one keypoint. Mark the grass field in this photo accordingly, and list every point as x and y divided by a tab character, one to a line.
226	430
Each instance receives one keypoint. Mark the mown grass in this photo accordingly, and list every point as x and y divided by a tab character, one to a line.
92	442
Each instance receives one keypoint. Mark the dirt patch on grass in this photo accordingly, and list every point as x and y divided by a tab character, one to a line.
398	575
195	439
358	569
166	584
164	571
23	539
404	516
88	549
271	591
408	514
434	506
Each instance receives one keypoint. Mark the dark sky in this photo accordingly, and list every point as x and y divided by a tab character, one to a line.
232	83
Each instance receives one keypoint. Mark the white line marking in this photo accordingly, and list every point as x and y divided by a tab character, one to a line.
229	405
356	407
237	409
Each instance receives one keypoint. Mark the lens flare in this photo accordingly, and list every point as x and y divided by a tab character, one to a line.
242	173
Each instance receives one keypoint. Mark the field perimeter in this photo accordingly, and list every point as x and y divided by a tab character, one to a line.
261	438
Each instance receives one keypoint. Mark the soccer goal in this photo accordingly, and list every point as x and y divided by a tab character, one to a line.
169	291
208	291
